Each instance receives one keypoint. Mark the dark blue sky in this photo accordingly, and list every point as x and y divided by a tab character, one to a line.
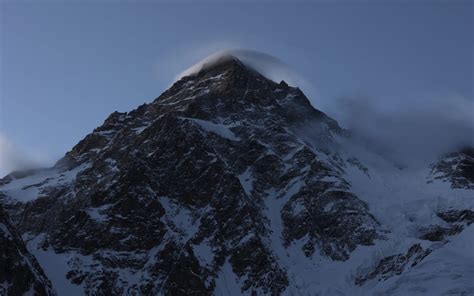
66	66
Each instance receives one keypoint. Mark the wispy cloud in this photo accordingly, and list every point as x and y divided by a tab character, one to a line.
13	158
408	131
412	132
168	65
183	61
269	66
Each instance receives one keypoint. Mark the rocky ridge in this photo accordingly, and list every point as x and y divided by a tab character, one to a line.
227	183
20	273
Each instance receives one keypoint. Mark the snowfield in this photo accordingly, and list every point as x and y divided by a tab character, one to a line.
232	184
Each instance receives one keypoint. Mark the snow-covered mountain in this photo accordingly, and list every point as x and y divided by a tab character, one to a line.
232	184
20	273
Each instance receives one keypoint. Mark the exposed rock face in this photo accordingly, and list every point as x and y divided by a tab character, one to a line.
335	222
456	168
194	172
20	273
456	221
458	216
226	184
394	265
438	233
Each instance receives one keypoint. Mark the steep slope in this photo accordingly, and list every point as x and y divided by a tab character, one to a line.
227	184
20	273
456	168
430	228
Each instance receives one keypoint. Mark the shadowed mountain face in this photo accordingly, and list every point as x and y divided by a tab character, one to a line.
20	273
456	168
216	187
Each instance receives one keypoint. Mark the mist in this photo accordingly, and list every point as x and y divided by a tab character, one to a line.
412	133
13	158
409	132
269	66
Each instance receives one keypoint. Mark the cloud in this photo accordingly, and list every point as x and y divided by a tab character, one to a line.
267	65
178	62
407	131
170	64
413	132
12	158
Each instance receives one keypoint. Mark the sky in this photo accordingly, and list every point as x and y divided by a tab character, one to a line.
66	65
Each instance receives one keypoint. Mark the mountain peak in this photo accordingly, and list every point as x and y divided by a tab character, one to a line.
221	60
231	181
264	64
224	86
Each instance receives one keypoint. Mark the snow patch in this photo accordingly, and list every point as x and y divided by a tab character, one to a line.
29	188
246	180
227	282
96	213
5	231
218	129
204	253
56	266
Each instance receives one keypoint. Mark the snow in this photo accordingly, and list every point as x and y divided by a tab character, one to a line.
329	179
268	66
96	213
288	98
140	129
26	189
56	266
246	180
449	270
300	268
218	129
29	188
402	200
5	231
179	219
227	282
106	133
328	207
204	253
4	286
246	238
